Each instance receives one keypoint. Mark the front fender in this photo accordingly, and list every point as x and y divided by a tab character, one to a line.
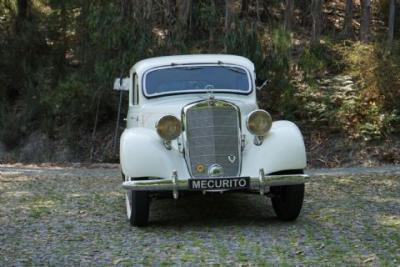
142	154
283	149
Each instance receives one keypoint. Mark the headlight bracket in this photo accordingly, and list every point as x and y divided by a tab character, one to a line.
167	144
258	140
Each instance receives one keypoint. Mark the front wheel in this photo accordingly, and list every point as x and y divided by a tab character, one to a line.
137	207
287	201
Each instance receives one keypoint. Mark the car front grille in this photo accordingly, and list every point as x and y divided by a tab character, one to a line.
212	138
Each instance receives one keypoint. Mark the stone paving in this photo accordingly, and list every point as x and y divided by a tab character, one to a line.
68	216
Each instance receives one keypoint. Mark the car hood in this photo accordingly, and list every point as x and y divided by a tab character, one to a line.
152	111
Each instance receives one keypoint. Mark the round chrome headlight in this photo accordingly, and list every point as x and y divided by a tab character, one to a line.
259	122
169	127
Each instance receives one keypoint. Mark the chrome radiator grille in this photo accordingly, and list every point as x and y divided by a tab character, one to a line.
212	137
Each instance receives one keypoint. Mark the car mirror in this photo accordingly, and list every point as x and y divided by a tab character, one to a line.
121	84
262	84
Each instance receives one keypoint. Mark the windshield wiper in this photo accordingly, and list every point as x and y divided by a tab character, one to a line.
234	69
191	68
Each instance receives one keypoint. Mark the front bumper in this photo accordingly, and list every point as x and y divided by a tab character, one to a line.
175	185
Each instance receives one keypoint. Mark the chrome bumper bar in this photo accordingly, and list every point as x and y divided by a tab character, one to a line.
174	184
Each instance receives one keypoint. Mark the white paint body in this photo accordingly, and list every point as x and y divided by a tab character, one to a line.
143	154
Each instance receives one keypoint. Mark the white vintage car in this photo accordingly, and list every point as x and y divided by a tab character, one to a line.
193	126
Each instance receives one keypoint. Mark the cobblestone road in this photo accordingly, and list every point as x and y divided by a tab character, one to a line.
76	216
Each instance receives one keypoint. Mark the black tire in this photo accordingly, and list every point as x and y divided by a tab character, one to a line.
139	208
287	201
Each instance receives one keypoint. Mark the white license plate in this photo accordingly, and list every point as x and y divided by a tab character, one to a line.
219	183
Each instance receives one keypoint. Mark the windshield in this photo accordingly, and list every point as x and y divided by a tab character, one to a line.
189	79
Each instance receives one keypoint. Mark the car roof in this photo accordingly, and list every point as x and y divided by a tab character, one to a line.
146	64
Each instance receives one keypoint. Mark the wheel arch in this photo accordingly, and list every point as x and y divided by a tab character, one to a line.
282	150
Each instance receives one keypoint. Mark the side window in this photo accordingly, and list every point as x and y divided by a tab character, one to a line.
135	91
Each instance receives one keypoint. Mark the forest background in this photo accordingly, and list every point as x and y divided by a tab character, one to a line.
333	68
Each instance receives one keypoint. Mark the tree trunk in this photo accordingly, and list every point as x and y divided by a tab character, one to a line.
365	20
168	17
211	30
64	39
244	8
148	10
22	14
392	17
316	14
289	6
22	9
141	11
348	19
229	15
258	10
182	15
182	11
129	8
266	13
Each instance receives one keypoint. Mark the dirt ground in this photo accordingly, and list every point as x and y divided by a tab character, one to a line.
60	216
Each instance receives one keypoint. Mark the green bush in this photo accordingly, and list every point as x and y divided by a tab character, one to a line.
244	41
372	112
278	97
